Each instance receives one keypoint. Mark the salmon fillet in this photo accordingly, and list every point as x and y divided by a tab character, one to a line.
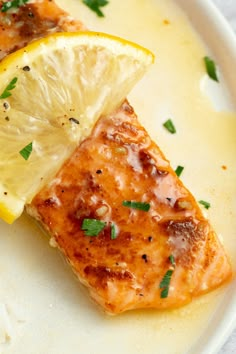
31	21
133	234
118	163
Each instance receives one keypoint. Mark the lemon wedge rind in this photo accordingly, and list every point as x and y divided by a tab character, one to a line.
65	82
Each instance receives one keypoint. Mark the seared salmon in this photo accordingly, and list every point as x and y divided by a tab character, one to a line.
141	244
132	232
31	21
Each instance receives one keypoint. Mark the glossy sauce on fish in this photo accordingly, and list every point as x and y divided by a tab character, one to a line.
117	163
177	32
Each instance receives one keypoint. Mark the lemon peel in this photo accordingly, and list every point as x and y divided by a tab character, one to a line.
65	82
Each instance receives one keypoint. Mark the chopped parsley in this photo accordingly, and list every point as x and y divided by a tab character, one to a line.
211	68
26	151
172	260
169	125
11	4
113	232
6	93
165	283
205	204
92	227
95	5
136	205
179	170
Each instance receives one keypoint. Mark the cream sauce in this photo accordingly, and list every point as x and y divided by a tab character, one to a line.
205	144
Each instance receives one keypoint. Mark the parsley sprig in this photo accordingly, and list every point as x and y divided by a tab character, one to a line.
206	205
92	227
165	282
6	93
95	5
113	232
169	125
211	68
12	4
26	151
136	205
172	260
179	170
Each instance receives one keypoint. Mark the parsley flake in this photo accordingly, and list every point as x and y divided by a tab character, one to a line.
165	284
11	4
169	125
113	232
136	205
92	227
179	170
26	151
205	204
95	5
211	68
172	260
6	93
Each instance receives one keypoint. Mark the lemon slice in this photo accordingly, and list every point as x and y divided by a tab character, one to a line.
57	88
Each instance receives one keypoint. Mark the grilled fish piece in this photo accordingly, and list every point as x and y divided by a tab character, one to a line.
32	21
158	256
125	264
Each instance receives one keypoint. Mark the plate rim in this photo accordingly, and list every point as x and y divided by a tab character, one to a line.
199	12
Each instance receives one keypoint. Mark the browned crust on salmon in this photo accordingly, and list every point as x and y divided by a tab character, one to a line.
120	162
31	21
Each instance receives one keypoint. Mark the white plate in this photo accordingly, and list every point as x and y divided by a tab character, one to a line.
217	33
42	307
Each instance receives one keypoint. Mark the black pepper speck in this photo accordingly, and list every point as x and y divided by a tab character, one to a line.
5	105
144	257
74	120
26	68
